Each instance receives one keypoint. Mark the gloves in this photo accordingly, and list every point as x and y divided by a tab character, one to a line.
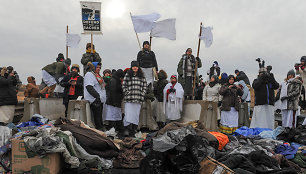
296	66
284	98
219	103
198	59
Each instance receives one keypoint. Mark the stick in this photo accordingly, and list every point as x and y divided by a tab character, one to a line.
66	44
150	41
196	65
91	43
136	33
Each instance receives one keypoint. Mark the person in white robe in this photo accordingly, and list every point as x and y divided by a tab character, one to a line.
173	99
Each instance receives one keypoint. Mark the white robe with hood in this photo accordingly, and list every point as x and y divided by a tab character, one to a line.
174	106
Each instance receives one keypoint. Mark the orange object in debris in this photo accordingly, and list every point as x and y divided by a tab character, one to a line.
47	95
222	139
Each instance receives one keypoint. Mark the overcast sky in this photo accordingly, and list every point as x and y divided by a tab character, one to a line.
33	33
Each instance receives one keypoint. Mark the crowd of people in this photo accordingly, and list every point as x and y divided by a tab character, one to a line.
117	97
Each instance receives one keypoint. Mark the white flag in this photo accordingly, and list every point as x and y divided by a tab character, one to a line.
72	40
144	23
165	29
207	36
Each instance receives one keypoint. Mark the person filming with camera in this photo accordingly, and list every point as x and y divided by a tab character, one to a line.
264	86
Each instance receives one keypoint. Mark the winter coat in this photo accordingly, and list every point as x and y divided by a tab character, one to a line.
115	95
134	89
212	93
181	67
32	89
147	59
78	88
293	93
56	69
160	85
246	90
264	91
90	57
230	97
8	94
302	73
244	77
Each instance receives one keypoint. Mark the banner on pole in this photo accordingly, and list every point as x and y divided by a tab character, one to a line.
207	36
91	17
72	40
144	23
165	29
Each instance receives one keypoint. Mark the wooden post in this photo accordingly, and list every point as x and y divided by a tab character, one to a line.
136	33
91	43
150	40
66	44
196	65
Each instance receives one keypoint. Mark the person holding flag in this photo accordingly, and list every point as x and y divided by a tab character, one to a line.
186	71
147	61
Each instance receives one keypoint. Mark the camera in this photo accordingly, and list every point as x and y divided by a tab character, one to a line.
172	90
264	74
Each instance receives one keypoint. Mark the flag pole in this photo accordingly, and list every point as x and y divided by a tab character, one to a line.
136	33
196	65
66	44
150	40
91	43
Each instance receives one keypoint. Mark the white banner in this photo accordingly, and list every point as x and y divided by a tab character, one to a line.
91	15
144	23
72	40
165	29
207	36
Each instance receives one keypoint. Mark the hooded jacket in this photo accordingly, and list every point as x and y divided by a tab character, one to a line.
181	67
160	85
32	89
264	91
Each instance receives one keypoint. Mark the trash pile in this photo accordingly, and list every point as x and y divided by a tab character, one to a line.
70	146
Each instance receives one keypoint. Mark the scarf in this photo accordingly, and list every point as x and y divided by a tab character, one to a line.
89	51
72	87
211	84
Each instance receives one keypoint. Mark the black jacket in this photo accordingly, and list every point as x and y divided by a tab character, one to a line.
8	93
244	77
78	88
160	85
115	96
264	90
147	59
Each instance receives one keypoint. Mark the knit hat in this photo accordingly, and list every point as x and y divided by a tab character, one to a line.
75	66
90	66
236	71
146	42
60	55
188	49
173	76
291	72
68	61
134	63
216	63
119	73
89	45
95	64
107	71
303	59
